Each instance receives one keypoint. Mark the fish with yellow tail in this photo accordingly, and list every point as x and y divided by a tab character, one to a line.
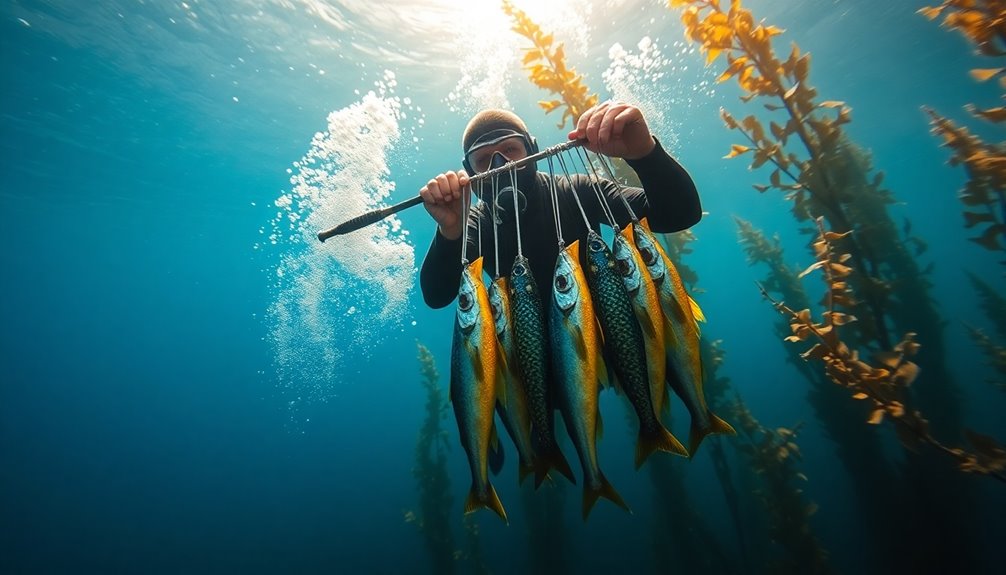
576	360
623	339
684	361
646	304
531	344
512	405
475	370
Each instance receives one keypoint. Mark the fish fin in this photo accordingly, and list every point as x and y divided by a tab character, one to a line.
488	500
657	440
604	489
646	224
496	455
581	344
698	433
696	310
551	458
649	330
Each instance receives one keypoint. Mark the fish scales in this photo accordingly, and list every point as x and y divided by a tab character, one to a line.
475	365
575	357
624	340
512	406
531	347
685	373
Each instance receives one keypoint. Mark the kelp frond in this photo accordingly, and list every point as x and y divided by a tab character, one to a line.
984	194
545	62
981	22
430	472
884	382
992	303
774	456
996	355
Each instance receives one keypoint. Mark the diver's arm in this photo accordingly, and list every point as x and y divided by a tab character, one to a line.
440	276
670	202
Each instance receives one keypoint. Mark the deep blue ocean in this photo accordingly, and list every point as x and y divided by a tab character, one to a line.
191	383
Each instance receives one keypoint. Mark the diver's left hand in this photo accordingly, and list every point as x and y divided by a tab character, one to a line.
615	129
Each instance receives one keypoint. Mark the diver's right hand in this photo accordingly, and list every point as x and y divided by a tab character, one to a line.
442	199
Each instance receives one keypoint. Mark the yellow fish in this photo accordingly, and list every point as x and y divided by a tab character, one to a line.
576	350
684	361
475	370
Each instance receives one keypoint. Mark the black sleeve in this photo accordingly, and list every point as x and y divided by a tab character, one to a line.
670	202
440	276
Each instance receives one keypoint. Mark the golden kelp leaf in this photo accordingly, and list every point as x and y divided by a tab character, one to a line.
760	187
984	74
736	150
860	395
814	266
728	119
985	444
971	219
835	236
789	93
990	114
928	11
896	409
906	373
888	358
831	104
840	270
677	3
876	417
734	67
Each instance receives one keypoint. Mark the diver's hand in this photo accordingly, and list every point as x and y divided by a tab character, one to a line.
615	129
442	199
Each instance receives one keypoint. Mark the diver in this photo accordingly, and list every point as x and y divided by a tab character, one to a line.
668	197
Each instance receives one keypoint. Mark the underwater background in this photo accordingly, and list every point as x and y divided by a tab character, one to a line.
191	383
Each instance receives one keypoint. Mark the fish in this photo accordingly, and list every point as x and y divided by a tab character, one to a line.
646	305
513	410
475	370
576	351
531	351
684	361
626	349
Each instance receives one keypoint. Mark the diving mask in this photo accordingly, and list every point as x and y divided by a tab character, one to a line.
511	144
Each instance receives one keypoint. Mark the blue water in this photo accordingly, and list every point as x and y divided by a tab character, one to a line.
191	384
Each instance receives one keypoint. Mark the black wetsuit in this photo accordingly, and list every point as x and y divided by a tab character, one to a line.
670	202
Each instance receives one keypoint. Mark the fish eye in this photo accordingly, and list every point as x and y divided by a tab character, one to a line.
465	302
519	270
562	284
596	245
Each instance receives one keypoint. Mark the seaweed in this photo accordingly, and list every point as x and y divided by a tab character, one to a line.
546	65
885	383
430	472
773	455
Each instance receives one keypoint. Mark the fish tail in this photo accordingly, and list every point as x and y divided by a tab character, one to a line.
551	458
657	439
698	432
593	492
486	500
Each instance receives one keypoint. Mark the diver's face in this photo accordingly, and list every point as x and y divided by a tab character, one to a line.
513	148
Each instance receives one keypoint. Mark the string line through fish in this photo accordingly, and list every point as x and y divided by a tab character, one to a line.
554	198
606	164
595	185
576	197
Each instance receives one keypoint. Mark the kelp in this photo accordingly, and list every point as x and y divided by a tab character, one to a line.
545	62
774	456
984	193
430	472
871	474
885	382
994	305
